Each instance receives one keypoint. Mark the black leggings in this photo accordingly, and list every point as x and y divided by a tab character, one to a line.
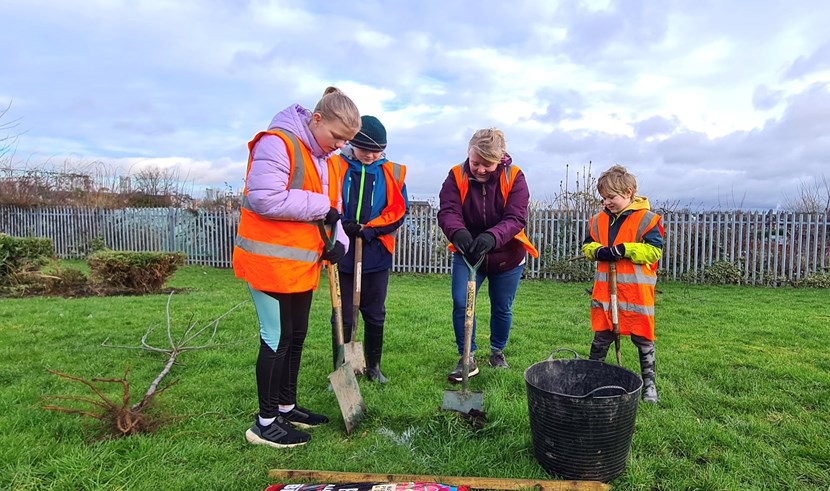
276	371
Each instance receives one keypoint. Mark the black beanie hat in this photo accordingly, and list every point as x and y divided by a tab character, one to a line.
372	135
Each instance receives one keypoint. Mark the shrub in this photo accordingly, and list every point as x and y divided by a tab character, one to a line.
21	254
67	282
722	273
816	280
134	272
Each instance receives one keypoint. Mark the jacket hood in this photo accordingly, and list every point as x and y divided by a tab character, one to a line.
295	119
638	203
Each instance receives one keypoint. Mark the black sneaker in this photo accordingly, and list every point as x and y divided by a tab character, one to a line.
455	376
279	434
497	359
303	418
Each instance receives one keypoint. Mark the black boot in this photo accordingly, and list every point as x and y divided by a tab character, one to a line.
347	336
645	348
373	350
599	346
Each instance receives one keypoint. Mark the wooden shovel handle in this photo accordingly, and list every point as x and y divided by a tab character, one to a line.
358	283
615	308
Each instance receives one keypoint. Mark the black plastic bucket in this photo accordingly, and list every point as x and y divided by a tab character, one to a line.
582	416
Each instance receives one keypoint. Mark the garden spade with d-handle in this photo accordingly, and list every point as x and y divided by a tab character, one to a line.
354	350
464	401
342	379
615	309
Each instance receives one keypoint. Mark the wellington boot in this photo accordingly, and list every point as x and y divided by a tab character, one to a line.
373	350
647	369
599	346
347	336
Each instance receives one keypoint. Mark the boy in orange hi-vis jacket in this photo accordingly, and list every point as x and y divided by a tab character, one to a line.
628	233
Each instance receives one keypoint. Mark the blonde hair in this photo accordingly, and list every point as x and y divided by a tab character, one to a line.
489	144
617	180
336	105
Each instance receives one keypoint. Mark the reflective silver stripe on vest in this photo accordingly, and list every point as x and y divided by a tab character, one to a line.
277	251
299	168
397	170
246	205
624	306
595	228
638	278
644	222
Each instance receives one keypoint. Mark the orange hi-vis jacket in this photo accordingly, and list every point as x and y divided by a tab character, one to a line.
283	256
635	282
506	184
395	204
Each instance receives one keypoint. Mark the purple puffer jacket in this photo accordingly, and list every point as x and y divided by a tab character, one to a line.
268	177
484	210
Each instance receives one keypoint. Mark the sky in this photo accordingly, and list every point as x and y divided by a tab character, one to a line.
712	104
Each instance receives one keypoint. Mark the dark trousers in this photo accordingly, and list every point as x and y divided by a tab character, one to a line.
372	300
645	347
283	321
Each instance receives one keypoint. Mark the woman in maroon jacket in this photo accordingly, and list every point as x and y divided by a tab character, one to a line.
483	213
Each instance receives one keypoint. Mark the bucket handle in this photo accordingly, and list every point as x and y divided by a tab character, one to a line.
604	387
576	355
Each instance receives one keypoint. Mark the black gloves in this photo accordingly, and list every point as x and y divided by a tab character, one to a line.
368	233
332	216
335	254
351	227
462	240
613	253
484	243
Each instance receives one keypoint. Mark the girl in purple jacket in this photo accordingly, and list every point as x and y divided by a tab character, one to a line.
283	314
480	220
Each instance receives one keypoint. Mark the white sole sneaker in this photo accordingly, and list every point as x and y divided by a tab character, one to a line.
255	439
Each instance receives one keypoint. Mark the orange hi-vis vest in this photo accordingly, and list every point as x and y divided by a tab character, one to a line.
506	184
395	204
635	282
283	256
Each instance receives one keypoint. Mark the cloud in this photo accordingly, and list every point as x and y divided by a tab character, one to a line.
707	103
765	98
804	65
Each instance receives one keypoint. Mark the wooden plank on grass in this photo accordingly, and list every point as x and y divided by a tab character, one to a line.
335	477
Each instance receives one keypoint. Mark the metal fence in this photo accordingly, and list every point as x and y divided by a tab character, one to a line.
768	247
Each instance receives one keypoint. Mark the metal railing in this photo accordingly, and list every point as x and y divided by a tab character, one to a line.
768	247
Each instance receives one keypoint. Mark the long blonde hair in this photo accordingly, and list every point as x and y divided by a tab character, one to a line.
336	105
489	144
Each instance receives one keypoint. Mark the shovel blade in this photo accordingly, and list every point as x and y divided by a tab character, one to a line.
463	401
345	387
354	357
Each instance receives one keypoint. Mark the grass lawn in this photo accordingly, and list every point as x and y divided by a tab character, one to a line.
743	373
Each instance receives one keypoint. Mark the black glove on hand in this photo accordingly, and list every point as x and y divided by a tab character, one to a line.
462	240
351	227
613	253
335	254
484	243
368	233
332	216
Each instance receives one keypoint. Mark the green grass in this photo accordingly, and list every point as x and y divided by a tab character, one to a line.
744	378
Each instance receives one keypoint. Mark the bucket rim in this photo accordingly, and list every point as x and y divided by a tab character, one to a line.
574	396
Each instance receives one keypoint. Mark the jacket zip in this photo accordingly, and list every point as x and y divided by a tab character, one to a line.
484	214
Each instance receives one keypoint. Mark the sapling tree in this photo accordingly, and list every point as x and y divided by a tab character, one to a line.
123	416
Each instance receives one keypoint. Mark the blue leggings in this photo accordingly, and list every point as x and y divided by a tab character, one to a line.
502	289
